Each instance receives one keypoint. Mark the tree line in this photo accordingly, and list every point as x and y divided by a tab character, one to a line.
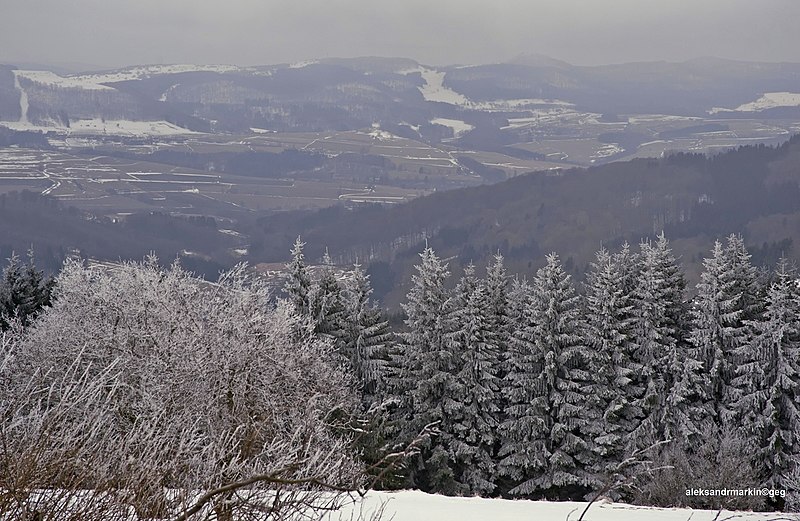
541	389
534	389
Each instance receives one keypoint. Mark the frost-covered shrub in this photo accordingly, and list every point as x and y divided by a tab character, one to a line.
142	388
724	462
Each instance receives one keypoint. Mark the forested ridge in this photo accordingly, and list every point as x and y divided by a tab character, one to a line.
753	191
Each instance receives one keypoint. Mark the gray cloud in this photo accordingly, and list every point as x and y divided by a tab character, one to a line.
246	32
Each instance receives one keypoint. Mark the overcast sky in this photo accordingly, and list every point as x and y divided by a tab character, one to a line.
250	32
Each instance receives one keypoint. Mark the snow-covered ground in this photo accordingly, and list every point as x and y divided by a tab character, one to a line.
302	64
377	133
109	127
650	118
771	100
521	103
63	82
95	81
458	126
434	89
146	71
606	150
418	506
23	100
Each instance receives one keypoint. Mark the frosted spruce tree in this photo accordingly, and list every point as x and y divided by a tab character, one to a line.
609	323
496	284
715	336
748	288
473	341
24	292
298	284
367	336
553	404
748	291
523	432
770	379
327	307
426	385
672	399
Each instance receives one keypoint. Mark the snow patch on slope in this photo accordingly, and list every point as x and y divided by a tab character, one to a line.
23	101
300	65
146	71
521	103
606	150
380	135
95	81
459	127
63	82
771	100
434	89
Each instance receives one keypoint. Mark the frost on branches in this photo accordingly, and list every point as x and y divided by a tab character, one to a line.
147	392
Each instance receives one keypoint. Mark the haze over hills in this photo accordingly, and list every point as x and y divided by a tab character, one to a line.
238	144
392	126
336	94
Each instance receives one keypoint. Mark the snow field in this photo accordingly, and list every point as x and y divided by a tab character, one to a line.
459	127
771	100
118	127
412	505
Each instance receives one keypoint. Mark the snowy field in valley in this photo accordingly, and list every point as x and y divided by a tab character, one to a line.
458	126
97	126
419	506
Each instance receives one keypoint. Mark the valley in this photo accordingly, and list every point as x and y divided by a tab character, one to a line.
262	150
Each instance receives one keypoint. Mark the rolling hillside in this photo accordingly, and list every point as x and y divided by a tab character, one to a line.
754	191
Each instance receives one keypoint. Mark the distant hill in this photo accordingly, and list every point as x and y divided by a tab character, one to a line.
695	199
753	190
347	94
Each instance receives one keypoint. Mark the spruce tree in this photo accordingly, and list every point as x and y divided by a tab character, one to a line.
771	380
496	284
748	288
327	307
609	321
298	283
556	412
713	336
524	450
427	385
474	343
748	292
368	337
24	292
672	402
